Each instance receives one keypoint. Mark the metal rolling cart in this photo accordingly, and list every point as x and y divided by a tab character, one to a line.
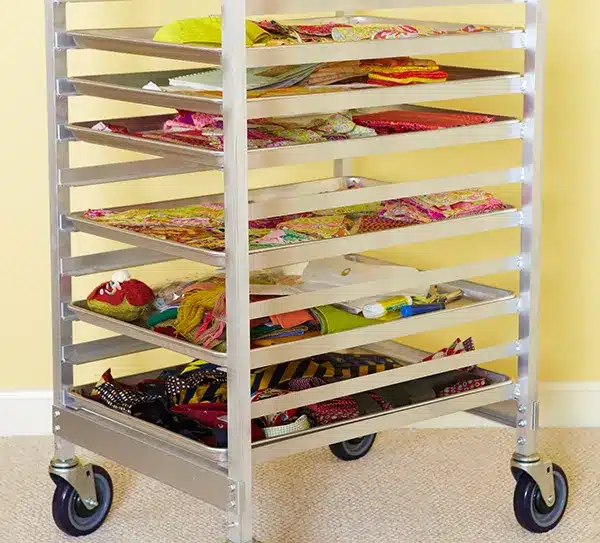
223	477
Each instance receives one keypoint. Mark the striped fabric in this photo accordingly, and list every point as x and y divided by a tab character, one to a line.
330	366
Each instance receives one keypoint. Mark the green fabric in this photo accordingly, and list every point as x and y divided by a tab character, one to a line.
335	320
206	30
162	316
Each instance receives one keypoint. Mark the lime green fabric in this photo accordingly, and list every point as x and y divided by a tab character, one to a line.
335	320
206	31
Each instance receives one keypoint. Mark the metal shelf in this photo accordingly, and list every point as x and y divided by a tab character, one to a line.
292	254
461	83
267	450
480	302
503	128
139	41
498	390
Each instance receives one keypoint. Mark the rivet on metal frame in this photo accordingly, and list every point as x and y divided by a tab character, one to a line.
522	423
521	441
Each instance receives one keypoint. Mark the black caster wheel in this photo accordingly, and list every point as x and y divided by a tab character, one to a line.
353	449
531	509
69	512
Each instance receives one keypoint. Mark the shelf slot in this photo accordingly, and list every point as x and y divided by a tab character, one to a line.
139	41
503	128
376	288
268	356
101	349
126	171
319	437
380	240
381	379
302	252
462	83
77	266
481	302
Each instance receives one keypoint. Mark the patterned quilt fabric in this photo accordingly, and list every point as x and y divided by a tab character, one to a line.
203	225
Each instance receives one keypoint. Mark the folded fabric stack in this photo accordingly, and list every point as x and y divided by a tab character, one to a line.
441	206
398	120
313	78
379	72
403	71
192	400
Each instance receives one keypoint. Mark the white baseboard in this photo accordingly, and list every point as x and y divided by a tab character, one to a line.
25	412
562	404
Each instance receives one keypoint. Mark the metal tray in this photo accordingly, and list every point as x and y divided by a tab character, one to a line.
500	389
309	196
503	128
479	302
139	41
462	83
310	250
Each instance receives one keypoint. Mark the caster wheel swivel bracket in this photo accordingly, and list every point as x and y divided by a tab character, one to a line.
540	470
79	476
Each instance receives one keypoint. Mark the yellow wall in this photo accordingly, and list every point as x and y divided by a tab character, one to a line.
571	171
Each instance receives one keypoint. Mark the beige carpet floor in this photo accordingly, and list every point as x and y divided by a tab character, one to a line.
416	486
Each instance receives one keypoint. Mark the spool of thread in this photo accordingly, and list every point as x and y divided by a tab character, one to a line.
411	310
379	309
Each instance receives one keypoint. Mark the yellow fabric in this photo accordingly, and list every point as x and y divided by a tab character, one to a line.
193	307
406	80
402	69
123	312
206	30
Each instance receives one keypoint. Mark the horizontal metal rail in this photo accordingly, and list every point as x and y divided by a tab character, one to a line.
101	349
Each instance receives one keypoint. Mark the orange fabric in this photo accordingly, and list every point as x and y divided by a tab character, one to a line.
292	319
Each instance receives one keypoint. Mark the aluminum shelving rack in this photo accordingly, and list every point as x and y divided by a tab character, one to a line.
224	478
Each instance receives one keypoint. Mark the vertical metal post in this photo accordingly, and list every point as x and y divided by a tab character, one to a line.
342	167
529	313
233	60
60	241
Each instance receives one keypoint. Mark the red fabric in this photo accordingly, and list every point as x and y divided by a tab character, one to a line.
438	74
395	121
345	408
209	414
319	30
463	386
134	291
166	331
377	224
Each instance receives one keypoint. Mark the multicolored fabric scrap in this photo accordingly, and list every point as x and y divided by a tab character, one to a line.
203	226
